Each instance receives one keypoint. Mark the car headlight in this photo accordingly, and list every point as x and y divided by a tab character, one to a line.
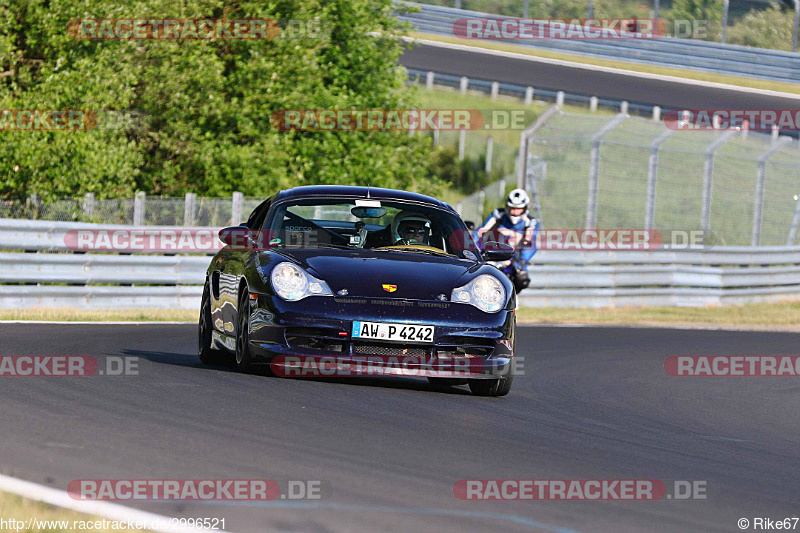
292	283
484	292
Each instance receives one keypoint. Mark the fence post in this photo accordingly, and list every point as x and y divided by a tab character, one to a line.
623	107
88	205
429	80
462	143
761	182
188	209
656	113
460	208
593	104
489	147
495	90
795	223
528	95
522	158
464	84
560	98
533	187
138	208
652	175
236	208
725	4
481	201
708	179
594	169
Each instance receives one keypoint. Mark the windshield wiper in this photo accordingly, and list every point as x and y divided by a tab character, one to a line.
413	251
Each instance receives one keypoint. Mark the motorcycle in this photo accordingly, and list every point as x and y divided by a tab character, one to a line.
512	268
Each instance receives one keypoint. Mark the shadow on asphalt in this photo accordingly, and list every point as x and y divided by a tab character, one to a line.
388	382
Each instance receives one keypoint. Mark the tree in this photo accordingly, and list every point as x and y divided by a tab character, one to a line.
199	110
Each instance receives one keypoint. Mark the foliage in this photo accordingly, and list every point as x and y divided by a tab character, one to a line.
769	28
202	108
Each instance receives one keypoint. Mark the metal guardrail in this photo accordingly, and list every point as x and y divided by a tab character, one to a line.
667	51
558	277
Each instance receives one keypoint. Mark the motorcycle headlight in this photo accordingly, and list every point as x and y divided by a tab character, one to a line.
292	283
484	292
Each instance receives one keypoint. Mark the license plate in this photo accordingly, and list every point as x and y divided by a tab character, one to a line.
392	332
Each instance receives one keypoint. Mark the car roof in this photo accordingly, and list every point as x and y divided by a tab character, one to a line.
355	191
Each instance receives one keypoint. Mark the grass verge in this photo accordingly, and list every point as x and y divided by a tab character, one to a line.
697	75
67	314
779	315
13	507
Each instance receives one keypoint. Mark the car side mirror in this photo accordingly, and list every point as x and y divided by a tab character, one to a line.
237	237
497	251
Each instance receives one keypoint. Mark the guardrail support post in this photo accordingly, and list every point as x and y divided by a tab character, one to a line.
462	143
189	209
594	169
429	80
528	95
652	175
593	104
489	147
88	205
138	208
656	113
708	179
761	182
560	98
495	90
464	84
237	202
623	107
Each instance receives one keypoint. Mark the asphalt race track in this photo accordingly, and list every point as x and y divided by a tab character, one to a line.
587	82
594	403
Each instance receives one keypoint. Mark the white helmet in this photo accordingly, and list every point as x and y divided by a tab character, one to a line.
407	216
517	198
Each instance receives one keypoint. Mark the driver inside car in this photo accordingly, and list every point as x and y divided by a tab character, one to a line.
410	228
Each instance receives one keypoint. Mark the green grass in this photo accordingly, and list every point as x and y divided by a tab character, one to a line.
13	507
67	314
624	65
784	315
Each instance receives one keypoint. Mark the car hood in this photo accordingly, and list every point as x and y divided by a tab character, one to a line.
364	273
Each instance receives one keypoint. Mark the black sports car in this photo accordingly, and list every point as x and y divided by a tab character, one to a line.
340	275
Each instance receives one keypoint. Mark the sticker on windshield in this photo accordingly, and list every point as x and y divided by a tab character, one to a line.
368	203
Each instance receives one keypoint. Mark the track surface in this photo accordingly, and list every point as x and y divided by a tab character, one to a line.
586	82
595	403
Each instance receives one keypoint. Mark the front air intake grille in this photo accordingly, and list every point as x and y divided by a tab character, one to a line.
386	349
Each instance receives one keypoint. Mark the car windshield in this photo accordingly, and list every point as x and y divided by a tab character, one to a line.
381	225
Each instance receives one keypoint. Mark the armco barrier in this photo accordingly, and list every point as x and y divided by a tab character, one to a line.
668	52
563	278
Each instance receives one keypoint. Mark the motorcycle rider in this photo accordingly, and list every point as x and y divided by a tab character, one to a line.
518	229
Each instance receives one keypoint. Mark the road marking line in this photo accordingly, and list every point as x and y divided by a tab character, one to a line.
611	70
111	511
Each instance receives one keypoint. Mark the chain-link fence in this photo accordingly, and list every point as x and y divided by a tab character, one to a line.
628	172
141	210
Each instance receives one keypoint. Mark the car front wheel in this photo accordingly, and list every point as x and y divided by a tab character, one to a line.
243	356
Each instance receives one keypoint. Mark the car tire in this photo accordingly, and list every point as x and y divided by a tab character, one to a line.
491	387
207	353
243	358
